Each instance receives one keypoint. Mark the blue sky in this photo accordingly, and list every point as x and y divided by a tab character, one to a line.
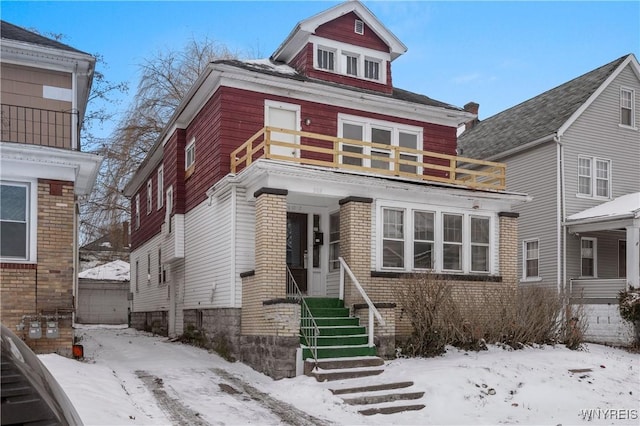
495	53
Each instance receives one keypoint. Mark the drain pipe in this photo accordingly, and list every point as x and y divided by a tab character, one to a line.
561	244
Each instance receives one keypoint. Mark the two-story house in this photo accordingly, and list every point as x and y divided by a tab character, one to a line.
44	86
308	178
576	150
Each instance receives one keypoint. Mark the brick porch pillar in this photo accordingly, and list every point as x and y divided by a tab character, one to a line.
355	244
509	248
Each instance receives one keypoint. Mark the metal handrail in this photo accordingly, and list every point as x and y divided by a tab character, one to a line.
372	308
307	322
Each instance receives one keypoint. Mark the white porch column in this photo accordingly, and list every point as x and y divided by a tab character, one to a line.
633	256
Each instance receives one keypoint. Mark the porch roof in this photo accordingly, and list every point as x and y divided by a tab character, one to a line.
626	207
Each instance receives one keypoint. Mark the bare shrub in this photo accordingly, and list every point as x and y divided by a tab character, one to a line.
442	313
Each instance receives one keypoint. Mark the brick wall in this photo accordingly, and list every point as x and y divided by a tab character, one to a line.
269	280
45	290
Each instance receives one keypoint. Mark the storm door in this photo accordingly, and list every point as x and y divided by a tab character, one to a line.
297	253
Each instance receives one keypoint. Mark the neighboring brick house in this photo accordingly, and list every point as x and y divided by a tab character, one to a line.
274	176
45	87
576	150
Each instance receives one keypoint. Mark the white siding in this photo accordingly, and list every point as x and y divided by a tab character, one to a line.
151	295
244	234
208	254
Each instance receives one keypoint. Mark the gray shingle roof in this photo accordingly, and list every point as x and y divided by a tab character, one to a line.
534	119
13	32
398	94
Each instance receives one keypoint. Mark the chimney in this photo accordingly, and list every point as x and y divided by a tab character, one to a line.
473	108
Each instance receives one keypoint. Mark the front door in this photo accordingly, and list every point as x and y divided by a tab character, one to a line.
297	254
284	116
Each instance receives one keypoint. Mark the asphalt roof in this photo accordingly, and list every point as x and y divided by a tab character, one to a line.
398	94
13	32
534	119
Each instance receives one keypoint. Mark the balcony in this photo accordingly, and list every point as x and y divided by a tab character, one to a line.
366	157
36	126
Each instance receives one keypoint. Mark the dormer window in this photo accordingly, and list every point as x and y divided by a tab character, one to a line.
371	69
349	60
359	27
326	59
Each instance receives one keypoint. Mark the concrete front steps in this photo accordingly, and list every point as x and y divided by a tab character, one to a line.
352	368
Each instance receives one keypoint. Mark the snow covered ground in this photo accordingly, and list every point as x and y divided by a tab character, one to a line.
134	378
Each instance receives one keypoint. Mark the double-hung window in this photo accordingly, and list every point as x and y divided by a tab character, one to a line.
627	110
588	257
159	265
190	154
380	156
149	196
137	207
14	221
479	244
326	59
372	69
452	242
351	64
531	259
594	177
160	192
423	239
393	238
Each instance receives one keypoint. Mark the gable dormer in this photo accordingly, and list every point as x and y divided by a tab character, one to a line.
346	44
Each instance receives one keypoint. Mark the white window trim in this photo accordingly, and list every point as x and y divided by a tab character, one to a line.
190	146
169	208
333	262
160	188
409	208
148	268
32	221
413	239
137	275
633	108
525	278
396	129
595	257
404	239
594	179
149	196
137	205
341	49
472	244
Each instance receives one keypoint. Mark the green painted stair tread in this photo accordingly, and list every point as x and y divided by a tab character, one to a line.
324	302
339	351
329	312
356	339
347	330
352	321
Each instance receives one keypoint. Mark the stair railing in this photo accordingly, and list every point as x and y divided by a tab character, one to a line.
372	308
308	326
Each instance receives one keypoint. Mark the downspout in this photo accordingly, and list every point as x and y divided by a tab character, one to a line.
76	213
232	268
561	241
75	132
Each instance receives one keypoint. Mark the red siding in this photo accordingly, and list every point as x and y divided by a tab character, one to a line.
150	224
342	29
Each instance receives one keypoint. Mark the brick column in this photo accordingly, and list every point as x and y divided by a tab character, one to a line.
269	280
509	248
355	244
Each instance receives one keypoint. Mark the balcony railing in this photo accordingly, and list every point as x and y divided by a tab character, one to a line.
36	126
361	156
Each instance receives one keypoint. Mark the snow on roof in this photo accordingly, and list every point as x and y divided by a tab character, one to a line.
269	65
117	270
626	206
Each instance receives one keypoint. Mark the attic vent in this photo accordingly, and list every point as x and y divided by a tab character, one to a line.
359	27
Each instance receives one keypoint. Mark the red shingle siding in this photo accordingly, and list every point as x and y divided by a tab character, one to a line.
342	29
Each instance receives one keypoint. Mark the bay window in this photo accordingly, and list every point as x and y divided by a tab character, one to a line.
479	244
452	242
423	240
